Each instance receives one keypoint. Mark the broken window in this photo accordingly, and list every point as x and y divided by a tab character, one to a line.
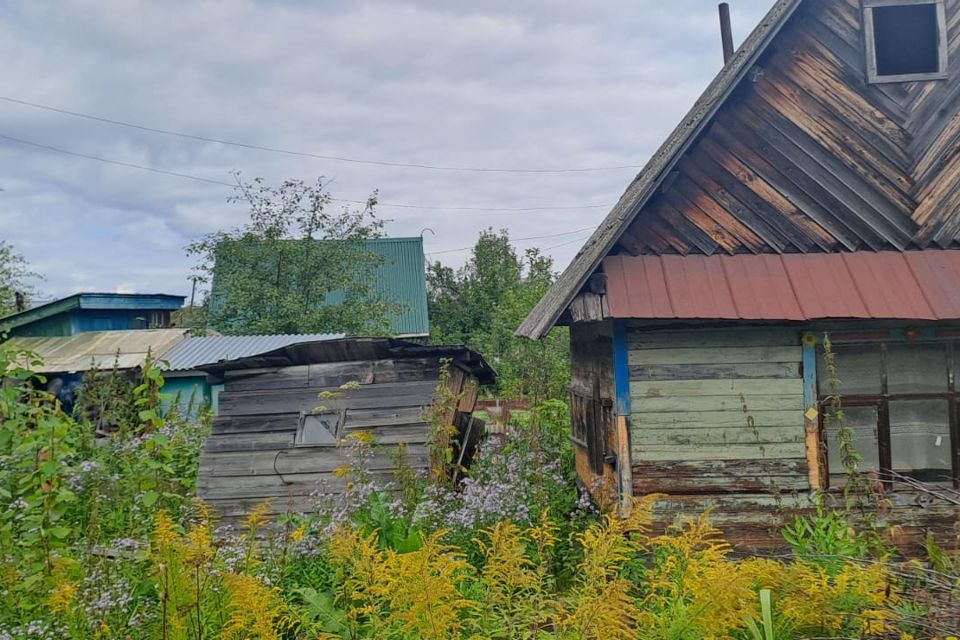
319	428
906	40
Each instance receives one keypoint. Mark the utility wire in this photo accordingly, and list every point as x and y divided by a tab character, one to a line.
552	235
306	154
188	176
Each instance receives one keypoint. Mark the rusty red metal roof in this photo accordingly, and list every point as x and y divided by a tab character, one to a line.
909	285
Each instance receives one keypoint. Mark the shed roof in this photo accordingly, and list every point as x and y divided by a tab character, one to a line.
357	349
193	352
548	311
98	349
86	300
912	285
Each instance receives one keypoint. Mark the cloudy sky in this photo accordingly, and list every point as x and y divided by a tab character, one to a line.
504	84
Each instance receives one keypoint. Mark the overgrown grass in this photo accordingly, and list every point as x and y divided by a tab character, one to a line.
103	538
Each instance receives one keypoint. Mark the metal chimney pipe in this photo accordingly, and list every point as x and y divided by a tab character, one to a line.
726	32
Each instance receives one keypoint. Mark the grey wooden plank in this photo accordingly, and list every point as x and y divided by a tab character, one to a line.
223	425
259	441
748	388
366	397
643	405
719	436
715	355
744	371
292	461
710	337
653	453
715	419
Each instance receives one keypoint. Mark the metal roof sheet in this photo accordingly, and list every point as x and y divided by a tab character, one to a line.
98	349
193	352
912	285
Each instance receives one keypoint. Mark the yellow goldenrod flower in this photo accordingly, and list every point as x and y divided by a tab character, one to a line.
61	597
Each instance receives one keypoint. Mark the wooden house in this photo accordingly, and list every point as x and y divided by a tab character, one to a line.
83	312
284	415
812	190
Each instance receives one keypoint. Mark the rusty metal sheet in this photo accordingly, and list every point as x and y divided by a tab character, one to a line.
910	285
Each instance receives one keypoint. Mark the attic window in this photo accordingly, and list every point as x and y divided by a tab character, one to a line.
906	40
317	429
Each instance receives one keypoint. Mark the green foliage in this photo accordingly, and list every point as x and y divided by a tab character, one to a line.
296	267
829	539
15	277
482	304
103	539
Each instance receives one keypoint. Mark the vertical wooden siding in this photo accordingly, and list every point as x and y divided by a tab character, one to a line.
717	421
592	372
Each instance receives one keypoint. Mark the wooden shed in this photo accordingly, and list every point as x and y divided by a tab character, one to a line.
283	414
811	191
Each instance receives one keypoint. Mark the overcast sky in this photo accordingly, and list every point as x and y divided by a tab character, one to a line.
518	84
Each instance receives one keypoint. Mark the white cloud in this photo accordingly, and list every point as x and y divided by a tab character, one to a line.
518	84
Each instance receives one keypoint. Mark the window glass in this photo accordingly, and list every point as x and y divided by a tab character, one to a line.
906	39
858	369
319	428
914	368
920	438
863	422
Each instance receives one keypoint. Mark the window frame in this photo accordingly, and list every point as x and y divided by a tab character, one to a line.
882	402
302	421
871	44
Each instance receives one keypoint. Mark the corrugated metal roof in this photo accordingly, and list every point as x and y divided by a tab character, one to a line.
912	285
192	352
359	349
98	349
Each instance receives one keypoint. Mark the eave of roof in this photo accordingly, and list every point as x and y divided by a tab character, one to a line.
883	285
89	300
549	309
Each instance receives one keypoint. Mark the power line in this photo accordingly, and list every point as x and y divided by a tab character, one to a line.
133	165
306	154
552	235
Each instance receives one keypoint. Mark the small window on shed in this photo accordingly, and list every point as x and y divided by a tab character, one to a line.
319	428
906	40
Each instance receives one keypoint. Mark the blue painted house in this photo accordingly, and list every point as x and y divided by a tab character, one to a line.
83	312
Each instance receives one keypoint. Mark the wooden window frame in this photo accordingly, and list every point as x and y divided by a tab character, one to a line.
882	402
871	44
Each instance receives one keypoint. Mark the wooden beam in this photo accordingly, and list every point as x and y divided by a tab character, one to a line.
621	376
811	415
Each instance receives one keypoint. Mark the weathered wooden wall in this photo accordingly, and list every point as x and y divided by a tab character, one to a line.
592	377
717	420
251	456
808	156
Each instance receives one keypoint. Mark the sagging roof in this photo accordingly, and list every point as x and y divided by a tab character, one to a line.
146	301
193	352
358	349
912	285
97	349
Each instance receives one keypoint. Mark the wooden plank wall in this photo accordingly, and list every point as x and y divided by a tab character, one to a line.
591	368
250	455
717	421
807	156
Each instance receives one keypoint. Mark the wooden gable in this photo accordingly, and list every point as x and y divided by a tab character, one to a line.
805	155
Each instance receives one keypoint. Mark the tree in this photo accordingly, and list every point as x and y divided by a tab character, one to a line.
481	305
295	267
14	279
